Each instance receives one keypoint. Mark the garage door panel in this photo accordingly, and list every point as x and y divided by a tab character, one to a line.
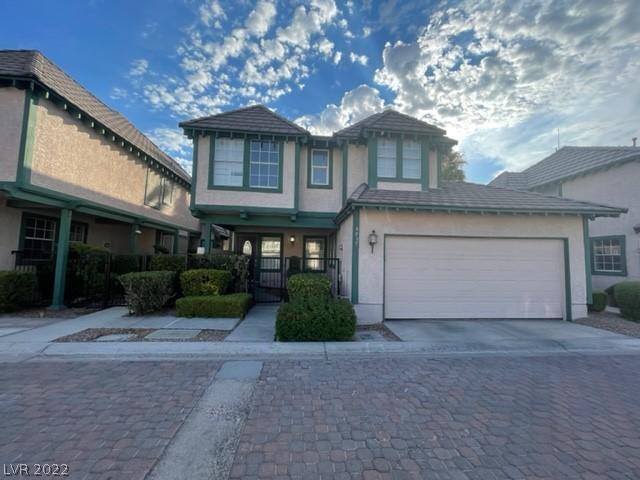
436	277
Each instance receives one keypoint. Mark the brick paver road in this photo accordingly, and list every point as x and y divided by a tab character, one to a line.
484	418
106	420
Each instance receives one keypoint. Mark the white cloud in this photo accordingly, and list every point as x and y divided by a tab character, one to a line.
366	31
261	18
361	59
138	67
211	12
118	93
325	47
337	57
174	142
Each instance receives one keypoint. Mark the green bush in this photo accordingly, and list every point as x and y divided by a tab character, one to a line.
611	294
233	305
627	296
316	321
303	286
16	289
599	302
147	291
121	264
238	265
86	272
204	281
168	263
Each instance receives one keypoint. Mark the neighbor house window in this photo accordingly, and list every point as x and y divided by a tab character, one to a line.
78	232
609	255
264	162
167	192
411	159
386	158
153	193
38	238
228	162
320	170
314	253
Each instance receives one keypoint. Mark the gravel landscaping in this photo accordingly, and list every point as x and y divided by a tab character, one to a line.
93	334
611	322
379	328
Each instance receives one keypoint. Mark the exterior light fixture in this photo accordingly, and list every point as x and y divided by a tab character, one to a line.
138	231
292	239
373	239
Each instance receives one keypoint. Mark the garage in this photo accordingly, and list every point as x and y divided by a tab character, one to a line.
472	278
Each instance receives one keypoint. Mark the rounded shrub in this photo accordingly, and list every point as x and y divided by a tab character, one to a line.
627	295
168	263
598	302
147	292
316	320
16	289
233	305
308	286
204	281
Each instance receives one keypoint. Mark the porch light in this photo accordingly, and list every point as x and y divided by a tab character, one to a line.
292	239
138	231
373	239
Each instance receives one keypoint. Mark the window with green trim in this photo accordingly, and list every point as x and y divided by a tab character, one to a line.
320	167
314	253
264	164
387	158
411	159
38	239
228	162
608	255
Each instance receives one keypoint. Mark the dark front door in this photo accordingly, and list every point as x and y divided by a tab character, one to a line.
265	251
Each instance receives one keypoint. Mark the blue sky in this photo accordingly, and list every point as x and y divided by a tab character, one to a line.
501	76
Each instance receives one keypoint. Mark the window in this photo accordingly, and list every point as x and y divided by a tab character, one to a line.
228	161
247	248
264	161
609	255
167	192
78	232
39	237
320	170
153	193
314	253
386	158
166	240
411	159
270	253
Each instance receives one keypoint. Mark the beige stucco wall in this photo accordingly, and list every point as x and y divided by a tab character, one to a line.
11	112
321	199
205	196
9	233
357	162
72	158
288	249
344	248
619	187
371	272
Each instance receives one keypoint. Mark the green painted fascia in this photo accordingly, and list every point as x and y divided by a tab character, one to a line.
439	175
296	177
587	258
244	134
355	254
273	221
623	247
244	208
194	170
330	172
27	138
345	169
372	148
567	281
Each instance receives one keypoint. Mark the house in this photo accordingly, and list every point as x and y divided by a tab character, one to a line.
608	175
74	170
367	206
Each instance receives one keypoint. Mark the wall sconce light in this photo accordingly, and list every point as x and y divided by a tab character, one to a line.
292	239
138	231
373	239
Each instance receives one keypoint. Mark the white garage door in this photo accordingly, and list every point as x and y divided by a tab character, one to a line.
452	277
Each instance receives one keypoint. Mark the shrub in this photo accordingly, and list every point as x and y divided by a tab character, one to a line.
86	272
121	264
610	293
238	265
204	281
598	302
627	296
168	263
233	305
16	289
303	286
316	321
147	291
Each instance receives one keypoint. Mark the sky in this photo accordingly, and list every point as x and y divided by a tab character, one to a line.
510	80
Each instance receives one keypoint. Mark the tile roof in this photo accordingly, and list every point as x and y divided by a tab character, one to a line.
34	65
566	162
471	196
389	120
256	118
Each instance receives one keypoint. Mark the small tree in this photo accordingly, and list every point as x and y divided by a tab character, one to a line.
452	167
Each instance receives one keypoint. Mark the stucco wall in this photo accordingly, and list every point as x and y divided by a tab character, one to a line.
357	162
205	196
344	249
9	233
618	187
321	199
371	274
72	158
11	112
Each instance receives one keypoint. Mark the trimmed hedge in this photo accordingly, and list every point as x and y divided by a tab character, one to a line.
316	321
16	289
121	264
147	291
308	286
204	281
233	305
599	301
168	263
238	265
627	296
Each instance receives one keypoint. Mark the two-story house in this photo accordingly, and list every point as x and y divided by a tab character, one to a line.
408	244
72	169
608	175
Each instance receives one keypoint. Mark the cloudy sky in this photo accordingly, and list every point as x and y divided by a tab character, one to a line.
501	76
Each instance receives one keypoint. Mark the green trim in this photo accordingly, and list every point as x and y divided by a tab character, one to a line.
329	186
567	282
194	170
587	258
425	148
304	250
207	237
372	148
345	168
62	254
355	254
293	221
27	138
399	178
248	209
296	176
439	174
623	254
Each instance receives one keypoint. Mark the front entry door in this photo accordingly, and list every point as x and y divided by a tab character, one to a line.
265	251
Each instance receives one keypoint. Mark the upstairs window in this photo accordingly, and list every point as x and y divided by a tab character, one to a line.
411	159
159	190
608	255
264	164
319	166
228	162
386	158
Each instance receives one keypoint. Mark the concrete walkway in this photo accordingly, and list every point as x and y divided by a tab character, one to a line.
258	326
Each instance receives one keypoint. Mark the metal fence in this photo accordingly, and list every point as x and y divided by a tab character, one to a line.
330	267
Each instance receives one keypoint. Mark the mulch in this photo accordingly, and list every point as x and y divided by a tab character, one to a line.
611	322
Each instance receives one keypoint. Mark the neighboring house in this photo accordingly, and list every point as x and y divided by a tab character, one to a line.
604	175
72	169
408	244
